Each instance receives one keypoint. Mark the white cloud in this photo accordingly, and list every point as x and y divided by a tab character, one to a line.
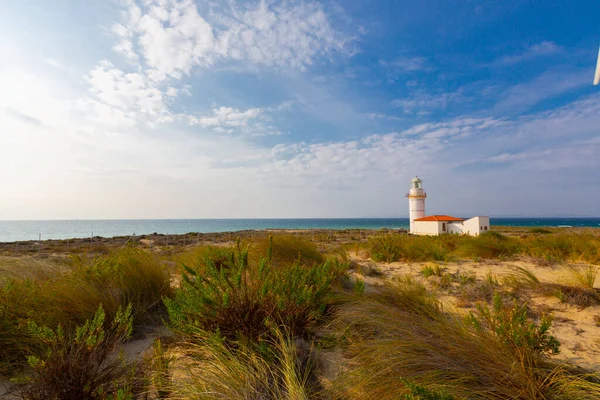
407	64
422	103
376	160
253	121
534	51
173	37
376	116
129	92
227	117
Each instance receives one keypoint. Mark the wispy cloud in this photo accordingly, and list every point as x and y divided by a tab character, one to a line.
520	97
422	103
383	116
545	48
406	64
253	121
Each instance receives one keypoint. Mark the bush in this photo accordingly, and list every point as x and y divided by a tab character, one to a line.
487	246
236	298
76	365
540	231
528	340
387	248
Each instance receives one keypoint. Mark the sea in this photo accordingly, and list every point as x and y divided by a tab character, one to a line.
11	231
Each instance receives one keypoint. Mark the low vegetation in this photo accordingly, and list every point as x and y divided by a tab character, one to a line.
560	247
76	364
403	331
239	299
307	316
71	295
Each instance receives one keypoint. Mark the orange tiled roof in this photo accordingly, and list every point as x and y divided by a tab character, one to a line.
439	218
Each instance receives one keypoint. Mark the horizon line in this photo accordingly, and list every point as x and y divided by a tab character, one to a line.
274	218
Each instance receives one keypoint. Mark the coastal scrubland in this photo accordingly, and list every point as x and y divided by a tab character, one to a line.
512	314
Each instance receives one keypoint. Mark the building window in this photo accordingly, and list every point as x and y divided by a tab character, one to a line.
443	227
485	228
481	228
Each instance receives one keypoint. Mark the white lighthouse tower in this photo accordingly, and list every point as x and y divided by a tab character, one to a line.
416	201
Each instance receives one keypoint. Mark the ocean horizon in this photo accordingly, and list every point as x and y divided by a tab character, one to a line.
11	231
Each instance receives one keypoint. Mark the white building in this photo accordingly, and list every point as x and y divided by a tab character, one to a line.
439	224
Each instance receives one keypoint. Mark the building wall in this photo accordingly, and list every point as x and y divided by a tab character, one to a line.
476	225
427	228
456	227
416	207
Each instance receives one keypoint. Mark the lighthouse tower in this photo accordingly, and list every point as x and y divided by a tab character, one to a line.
416	201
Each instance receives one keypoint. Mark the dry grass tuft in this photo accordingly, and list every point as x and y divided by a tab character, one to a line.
206	368
404	332
71	297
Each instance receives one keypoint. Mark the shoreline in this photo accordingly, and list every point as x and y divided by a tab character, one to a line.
100	244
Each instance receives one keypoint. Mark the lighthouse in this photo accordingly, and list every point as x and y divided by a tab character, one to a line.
416	201
439	224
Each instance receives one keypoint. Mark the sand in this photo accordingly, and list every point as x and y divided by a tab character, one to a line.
574	327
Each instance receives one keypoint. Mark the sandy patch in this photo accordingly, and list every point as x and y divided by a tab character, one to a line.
574	327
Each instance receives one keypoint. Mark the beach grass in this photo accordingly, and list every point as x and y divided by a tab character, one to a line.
68	294
403	332
262	317
555	247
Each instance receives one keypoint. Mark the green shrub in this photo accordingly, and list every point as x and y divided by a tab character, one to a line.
540	231
237	298
427	271
528	340
387	248
76	365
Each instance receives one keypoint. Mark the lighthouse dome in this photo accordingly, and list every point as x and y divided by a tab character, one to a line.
416	180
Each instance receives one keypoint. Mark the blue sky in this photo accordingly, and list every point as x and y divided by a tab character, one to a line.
216	109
